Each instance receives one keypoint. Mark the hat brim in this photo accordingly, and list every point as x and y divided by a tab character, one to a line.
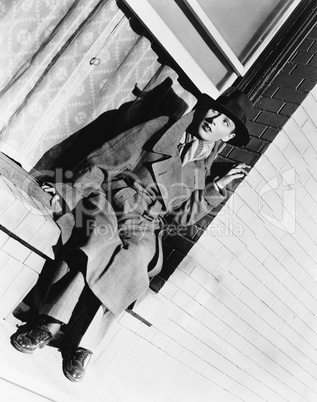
242	136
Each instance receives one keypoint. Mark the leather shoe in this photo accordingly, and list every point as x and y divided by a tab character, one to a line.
74	366
28	342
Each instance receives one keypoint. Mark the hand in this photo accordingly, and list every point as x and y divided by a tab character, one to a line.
237	172
48	188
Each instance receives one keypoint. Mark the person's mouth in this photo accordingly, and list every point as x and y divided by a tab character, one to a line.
206	127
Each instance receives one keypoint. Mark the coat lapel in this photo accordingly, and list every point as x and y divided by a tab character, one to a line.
167	146
168	142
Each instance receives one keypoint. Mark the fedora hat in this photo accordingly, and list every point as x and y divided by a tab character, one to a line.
234	104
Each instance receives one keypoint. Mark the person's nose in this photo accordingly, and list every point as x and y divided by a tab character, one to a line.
214	120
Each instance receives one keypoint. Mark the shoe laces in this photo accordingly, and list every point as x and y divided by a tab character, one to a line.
82	356
41	333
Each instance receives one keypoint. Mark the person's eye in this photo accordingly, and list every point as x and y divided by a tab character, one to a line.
226	122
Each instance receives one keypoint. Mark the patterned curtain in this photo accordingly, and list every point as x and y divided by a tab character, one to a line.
63	63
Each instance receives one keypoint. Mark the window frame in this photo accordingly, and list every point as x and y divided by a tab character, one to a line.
144	11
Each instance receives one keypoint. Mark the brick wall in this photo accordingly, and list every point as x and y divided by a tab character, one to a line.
237	320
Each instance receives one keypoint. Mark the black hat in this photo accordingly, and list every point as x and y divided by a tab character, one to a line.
234	104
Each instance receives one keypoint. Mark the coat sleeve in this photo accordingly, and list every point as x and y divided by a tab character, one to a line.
196	206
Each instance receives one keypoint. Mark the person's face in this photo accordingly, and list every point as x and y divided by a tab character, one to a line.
215	126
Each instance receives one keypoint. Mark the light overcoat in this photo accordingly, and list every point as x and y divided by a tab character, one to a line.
186	196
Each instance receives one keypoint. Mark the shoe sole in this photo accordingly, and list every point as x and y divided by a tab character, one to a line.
69	377
18	347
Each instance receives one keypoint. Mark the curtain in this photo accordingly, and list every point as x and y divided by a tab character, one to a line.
63	63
